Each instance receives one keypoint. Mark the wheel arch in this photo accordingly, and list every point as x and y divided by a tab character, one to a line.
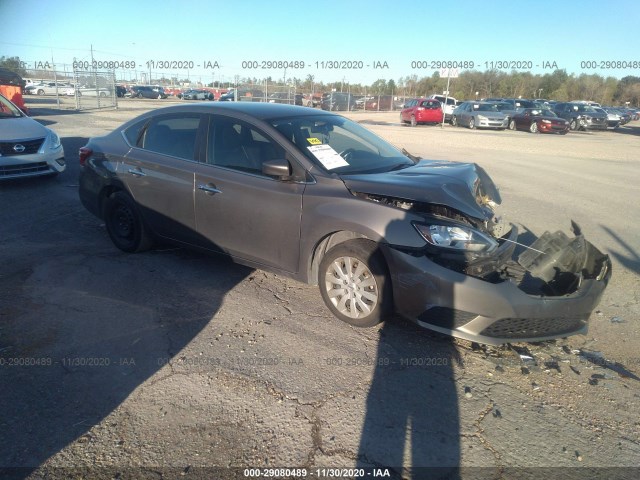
324	245
105	193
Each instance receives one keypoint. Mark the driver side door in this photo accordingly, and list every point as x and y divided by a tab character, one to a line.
238	209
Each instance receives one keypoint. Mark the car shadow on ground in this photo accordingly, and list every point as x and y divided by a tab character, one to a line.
83	325
628	130
412	424
628	258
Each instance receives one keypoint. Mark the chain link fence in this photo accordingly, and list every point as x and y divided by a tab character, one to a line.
89	89
81	90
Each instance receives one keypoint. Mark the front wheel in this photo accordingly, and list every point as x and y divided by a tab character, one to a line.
354	283
124	224
533	128
512	125
472	123
573	125
413	121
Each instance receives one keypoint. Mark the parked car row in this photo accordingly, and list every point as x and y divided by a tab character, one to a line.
538	117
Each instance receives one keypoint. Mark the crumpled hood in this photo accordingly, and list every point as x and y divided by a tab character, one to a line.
23	128
452	184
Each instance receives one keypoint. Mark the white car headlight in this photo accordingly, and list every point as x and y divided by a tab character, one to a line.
54	139
482	117
456	237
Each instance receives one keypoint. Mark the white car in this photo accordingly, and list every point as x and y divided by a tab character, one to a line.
88	92
27	149
448	106
47	88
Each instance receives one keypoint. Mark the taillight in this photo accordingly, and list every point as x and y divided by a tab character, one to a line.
84	154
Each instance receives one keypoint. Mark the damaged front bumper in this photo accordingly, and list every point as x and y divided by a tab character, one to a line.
548	292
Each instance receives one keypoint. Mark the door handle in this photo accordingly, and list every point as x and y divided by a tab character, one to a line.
137	172
209	189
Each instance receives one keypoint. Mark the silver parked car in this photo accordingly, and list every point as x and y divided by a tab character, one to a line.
479	115
27	148
319	198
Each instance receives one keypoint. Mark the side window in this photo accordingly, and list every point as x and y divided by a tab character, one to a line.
175	136
240	146
133	132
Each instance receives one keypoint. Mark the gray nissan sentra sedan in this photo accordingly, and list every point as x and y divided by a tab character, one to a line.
316	197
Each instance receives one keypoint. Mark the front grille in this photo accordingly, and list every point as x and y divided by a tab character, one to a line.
30	147
533	327
23	169
446	317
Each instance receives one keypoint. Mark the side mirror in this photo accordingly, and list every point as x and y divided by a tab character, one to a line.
279	168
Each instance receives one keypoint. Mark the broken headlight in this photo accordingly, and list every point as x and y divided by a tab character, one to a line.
456	237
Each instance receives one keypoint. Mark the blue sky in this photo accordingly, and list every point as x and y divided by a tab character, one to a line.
318	33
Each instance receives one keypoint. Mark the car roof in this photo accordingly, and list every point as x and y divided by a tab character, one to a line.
255	109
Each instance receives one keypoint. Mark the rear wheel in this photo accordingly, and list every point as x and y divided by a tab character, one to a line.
533	128
454	121
124	224
354	283
40	92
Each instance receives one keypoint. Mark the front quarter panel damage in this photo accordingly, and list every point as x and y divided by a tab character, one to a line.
547	292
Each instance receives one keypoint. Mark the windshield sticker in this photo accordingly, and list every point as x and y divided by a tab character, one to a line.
329	158
314	141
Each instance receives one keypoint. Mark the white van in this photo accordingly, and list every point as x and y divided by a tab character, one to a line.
449	107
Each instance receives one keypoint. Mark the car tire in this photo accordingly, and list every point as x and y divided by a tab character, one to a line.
125	225
139	95
413	121
102	94
354	283
533	128
472	123
512	125
40	92
573	124
454	121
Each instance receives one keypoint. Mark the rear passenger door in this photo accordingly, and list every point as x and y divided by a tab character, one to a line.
239	210
159	172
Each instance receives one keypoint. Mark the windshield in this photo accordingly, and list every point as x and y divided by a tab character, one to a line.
584	108
340	145
485	107
504	106
8	109
543	112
